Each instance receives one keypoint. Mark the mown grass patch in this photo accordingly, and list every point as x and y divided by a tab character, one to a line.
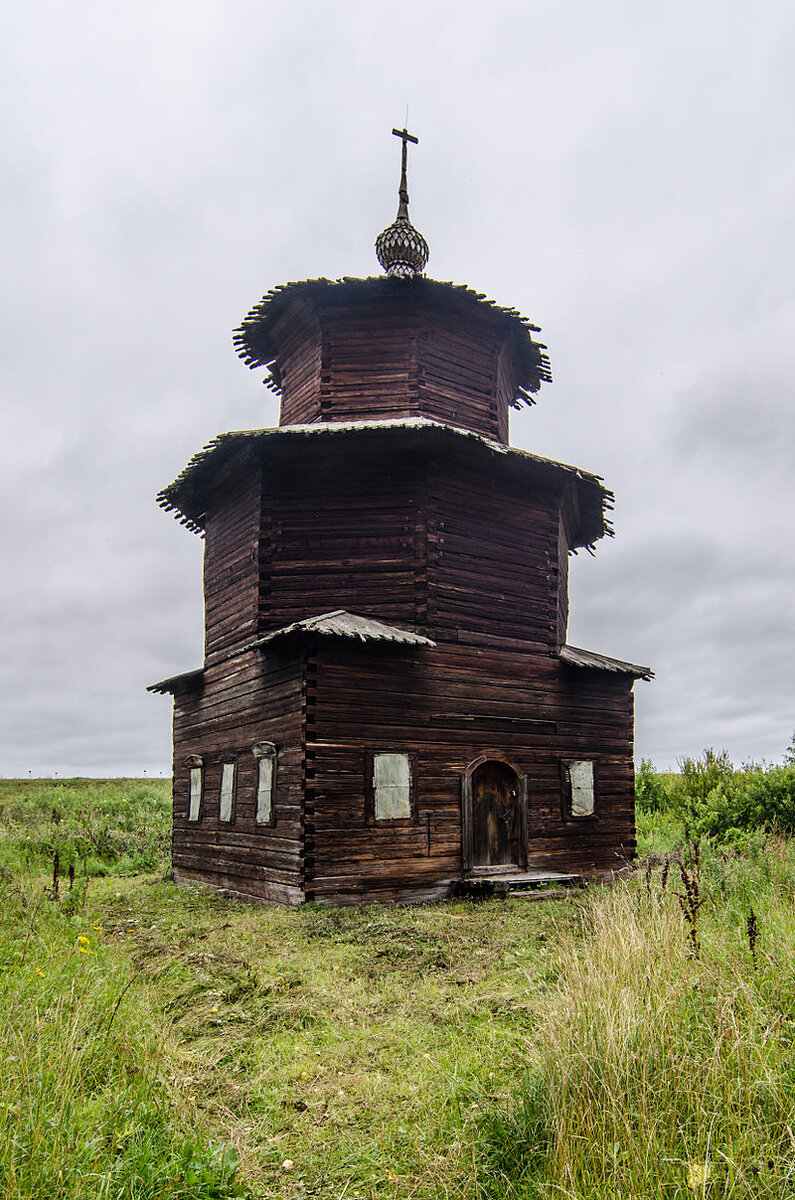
161	1041
360	1046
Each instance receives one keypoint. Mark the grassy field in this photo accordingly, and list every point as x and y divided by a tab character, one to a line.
635	1040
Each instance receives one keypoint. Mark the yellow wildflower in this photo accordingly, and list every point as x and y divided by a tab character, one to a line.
39	972
84	941
698	1175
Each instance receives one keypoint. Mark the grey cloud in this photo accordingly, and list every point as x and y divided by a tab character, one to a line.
629	189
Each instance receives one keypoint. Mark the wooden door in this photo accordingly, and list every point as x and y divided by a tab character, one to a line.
496	816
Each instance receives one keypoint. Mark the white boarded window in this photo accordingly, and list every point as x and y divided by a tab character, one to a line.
195	765
227	791
195	793
581	780
265	754
391	786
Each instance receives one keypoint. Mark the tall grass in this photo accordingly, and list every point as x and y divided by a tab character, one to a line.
86	1105
94	826
654	1073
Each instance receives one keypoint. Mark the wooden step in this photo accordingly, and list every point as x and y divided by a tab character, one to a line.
517	885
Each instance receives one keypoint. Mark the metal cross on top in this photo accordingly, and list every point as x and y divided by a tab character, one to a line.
403	191
401	249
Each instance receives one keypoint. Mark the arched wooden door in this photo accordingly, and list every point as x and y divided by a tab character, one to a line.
494	816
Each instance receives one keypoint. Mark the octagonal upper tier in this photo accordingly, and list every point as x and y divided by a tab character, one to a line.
382	348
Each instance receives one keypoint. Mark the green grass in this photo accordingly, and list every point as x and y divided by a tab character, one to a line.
654	1073
163	1042
97	826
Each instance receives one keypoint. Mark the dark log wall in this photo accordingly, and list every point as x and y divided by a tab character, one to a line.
459	546
248	699
493	553
394	358
448	706
561	571
345	531
231	562
507	382
457	381
298	334
369	365
385	529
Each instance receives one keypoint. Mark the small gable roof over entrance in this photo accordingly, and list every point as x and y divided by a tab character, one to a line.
340	623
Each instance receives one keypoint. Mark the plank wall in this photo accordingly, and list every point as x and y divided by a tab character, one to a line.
561	571
448	706
457	376
493	553
298	335
231	562
346	530
454	544
395	355
248	699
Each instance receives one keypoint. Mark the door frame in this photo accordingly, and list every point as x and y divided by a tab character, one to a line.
467	831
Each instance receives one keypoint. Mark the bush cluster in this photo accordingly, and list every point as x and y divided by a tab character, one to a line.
714	798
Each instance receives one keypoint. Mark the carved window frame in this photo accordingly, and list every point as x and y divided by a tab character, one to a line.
228	765
265	753
370	790
567	791
195	765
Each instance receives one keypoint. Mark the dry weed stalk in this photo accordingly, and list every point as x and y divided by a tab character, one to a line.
690	900
752	927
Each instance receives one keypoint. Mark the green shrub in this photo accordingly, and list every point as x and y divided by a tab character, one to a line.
651	790
713	798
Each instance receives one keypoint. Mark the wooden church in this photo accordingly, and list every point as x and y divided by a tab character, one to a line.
388	705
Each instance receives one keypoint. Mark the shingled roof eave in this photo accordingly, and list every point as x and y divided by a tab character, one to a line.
339	623
252	338
173	497
574	656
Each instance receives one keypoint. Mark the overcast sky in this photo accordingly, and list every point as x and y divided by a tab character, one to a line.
621	173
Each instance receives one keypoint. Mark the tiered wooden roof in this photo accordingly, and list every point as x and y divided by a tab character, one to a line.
187	496
257	343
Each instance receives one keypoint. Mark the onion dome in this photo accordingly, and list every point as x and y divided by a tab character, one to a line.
401	249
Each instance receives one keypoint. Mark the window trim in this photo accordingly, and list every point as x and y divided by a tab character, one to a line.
369	790
265	752
230	820
195	762
566	791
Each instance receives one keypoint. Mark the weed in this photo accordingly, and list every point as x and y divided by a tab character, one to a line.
752	929
690	899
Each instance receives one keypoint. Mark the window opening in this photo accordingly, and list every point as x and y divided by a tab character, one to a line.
391	786
582	790
265	754
227	791
195	764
